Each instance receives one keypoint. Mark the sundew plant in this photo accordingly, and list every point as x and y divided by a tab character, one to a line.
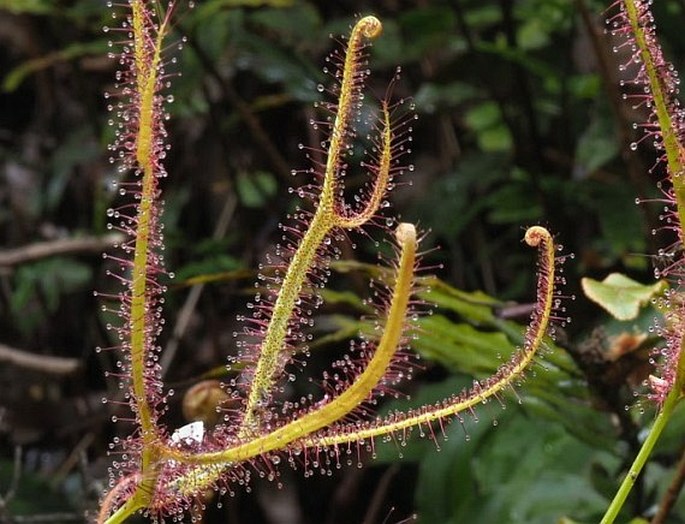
331	383
161	471
656	88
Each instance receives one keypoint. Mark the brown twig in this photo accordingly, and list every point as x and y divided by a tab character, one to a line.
43	363
671	495
39	250
73	459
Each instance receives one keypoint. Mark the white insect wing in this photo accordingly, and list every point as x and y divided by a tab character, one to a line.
192	433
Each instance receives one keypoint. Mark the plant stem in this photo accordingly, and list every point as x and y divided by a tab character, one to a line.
650	55
326	217
125	511
645	451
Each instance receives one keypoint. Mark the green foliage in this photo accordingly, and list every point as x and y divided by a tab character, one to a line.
621	296
483	481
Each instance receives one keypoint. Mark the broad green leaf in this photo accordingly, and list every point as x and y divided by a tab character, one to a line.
524	470
619	295
543	461
461	347
555	394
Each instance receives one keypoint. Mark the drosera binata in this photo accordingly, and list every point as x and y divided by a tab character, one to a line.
160	471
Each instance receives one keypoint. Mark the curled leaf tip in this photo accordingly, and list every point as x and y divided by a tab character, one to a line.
370	26
535	235
405	233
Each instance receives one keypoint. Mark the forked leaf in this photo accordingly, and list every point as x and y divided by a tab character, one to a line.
621	296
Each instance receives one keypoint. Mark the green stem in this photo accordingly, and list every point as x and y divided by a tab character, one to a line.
272	345
125	511
660	99
645	451
324	220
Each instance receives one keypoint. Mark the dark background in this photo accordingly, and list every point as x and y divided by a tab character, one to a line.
521	121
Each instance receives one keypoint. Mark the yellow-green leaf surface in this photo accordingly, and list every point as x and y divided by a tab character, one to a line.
621	296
